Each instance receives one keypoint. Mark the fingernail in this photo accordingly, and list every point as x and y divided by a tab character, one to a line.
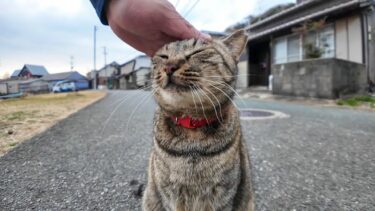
205	36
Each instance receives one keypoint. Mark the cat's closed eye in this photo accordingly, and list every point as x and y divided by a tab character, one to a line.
194	53
163	56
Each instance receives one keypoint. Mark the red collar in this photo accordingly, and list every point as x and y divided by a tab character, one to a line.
189	122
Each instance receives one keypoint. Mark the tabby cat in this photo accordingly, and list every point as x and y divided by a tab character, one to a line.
199	161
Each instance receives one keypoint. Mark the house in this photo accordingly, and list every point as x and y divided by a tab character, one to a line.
15	74
79	80
215	34
133	74
30	71
316	48
105	73
3	88
32	85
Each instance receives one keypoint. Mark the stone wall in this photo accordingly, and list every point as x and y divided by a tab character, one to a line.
319	78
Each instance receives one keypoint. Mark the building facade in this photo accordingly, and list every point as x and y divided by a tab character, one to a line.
316	48
133	74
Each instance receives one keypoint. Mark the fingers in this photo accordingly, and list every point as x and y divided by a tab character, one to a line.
176	26
148	46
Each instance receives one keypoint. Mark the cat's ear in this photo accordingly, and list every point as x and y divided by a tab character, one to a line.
236	43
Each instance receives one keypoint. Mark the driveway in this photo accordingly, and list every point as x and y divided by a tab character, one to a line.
317	159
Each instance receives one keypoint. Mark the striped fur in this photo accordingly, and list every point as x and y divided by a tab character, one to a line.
207	168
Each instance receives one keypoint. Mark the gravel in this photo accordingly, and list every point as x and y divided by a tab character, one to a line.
317	159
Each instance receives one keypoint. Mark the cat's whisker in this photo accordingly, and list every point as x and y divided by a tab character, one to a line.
218	102
119	101
114	111
200	100
229	76
234	104
204	93
136	108
230	87
195	104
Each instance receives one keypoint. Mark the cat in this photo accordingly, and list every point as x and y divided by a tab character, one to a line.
199	160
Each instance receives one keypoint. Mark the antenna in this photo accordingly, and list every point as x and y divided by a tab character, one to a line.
71	63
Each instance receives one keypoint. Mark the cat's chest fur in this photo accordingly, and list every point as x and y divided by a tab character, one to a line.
196	168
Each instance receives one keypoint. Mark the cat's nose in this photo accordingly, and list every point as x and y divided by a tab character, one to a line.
171	68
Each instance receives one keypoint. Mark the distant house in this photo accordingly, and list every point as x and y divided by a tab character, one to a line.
31	71
316	48
80	81
215	34
133	74
15	74
105	73
33	85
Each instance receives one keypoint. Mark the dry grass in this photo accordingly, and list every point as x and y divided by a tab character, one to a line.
23	118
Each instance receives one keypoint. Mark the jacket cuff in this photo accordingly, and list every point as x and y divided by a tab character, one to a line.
100	7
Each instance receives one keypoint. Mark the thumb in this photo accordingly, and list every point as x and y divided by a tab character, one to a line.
176	26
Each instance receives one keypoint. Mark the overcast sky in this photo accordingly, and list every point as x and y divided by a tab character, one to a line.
49	32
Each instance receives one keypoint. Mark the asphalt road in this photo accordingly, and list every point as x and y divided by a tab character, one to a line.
318	159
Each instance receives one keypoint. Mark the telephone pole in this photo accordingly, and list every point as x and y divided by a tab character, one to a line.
93	73
105	55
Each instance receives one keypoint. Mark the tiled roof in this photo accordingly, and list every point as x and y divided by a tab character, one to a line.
36	69
15	73
56	76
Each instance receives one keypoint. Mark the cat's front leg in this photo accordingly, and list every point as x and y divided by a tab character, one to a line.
151	200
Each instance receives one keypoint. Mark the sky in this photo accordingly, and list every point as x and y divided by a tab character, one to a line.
54	33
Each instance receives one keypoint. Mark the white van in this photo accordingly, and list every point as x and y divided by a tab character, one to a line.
64	86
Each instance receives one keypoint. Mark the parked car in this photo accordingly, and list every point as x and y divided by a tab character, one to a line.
64	86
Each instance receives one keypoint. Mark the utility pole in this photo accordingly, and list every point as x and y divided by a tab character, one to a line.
105	64
105	55
71	63
93	73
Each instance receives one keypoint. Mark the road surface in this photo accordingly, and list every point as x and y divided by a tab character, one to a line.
317	159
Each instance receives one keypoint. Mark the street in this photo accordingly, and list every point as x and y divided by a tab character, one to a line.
316	159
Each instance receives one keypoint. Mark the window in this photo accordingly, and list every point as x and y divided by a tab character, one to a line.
294	48
280	51
327	42
287	49
316	44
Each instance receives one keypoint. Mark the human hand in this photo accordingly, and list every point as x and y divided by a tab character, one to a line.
147	25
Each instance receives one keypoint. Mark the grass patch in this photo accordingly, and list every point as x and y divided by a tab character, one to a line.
357	101
32	114
12	144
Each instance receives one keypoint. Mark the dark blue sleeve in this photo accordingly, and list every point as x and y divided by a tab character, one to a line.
100	6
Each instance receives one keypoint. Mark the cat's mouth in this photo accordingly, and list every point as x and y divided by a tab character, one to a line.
174	83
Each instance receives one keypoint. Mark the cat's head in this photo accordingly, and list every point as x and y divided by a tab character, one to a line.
193	76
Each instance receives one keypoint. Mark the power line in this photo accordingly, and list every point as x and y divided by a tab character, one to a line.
191	8
184	8
176	4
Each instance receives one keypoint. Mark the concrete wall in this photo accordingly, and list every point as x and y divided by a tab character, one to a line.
3	89
143	76
127	68
107	71
320	78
